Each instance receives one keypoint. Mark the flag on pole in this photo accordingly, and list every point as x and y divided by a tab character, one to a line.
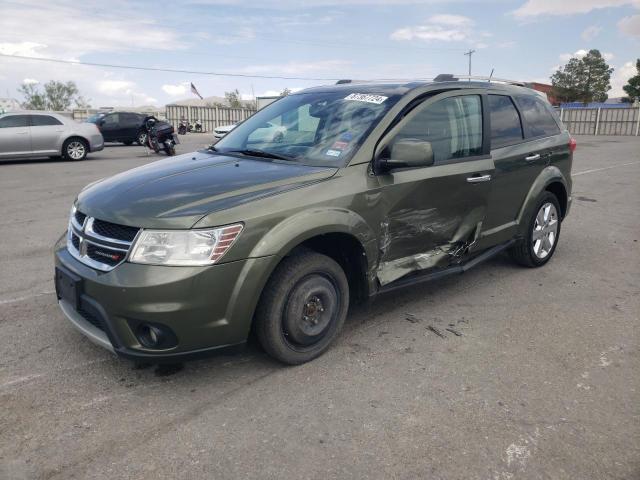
194	90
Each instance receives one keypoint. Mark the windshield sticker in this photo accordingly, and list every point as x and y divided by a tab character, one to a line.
346	137
365	97
339	145
333	153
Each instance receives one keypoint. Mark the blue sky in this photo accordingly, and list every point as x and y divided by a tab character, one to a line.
318	39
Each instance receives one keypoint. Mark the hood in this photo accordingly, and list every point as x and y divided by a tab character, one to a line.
178	191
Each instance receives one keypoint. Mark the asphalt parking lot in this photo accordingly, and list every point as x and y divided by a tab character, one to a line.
537	377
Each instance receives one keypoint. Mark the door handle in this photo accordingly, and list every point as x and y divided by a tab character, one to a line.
479	179
532	158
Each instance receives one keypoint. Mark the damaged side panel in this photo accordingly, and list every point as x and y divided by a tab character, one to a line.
430	222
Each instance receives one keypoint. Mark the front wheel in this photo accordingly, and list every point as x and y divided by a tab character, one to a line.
543	232
302	308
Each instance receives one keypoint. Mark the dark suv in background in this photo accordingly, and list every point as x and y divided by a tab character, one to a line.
369	188
125	127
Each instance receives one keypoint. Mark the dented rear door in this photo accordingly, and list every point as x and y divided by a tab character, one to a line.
433	215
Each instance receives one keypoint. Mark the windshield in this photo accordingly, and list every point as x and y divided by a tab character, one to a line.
94	118
319	129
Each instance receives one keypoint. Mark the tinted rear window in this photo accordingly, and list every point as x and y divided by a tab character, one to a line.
11	121
44	120
537	117
506	126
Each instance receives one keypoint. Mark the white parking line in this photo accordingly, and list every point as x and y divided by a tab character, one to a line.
603	168
27	297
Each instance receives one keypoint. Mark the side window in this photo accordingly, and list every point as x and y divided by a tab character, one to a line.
452	125
13	121
506	126
538	119
129	119
111	119
44	120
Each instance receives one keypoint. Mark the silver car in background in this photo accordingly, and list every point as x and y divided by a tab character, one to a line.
33	134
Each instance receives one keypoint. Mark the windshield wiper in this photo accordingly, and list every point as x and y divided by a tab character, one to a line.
262	154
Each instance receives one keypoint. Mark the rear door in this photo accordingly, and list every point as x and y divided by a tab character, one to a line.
46	134
434	214
15	136
522	141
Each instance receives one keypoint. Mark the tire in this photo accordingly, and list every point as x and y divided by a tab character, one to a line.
75	149
141	138
533	251
302	308
128	142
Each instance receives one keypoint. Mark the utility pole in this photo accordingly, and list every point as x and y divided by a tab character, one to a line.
469	53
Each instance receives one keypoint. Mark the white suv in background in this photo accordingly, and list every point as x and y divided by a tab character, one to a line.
33	134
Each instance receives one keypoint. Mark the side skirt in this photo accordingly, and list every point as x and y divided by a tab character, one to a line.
445	272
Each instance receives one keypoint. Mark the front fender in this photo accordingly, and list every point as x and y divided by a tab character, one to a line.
294	230
549	175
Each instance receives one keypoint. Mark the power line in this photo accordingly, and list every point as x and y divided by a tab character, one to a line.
167	70
196	72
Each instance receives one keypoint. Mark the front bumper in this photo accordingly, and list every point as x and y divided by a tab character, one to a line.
209	309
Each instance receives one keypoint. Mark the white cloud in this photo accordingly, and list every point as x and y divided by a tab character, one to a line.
62	30
620	77
565	57
30	81
567	7
446	28
114	87
590	33
630	26
176	90
333	67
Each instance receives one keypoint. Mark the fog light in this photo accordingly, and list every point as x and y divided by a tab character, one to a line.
155	336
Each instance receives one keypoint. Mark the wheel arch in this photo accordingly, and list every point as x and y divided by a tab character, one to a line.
341	235
550	179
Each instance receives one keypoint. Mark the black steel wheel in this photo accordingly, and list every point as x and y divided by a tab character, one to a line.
302	308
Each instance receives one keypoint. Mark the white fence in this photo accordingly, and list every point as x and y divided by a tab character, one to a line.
211	117
601	121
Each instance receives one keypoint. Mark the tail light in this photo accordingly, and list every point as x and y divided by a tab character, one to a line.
572	144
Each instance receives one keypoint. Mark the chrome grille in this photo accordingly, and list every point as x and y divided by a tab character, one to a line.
99	244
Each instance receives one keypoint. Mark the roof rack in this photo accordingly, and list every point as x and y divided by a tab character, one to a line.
448	77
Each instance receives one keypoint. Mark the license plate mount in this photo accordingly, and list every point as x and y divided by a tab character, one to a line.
68	286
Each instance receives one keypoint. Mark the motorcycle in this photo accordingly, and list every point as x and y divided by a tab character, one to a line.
184	127
161	135
198	126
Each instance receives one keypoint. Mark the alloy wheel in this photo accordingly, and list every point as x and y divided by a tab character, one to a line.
76	150
545	230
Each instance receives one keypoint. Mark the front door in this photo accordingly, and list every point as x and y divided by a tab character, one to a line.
433	215
110	127
15	136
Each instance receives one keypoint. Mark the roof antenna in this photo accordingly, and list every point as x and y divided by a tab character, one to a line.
490	76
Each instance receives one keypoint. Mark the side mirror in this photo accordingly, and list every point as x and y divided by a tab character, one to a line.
406	153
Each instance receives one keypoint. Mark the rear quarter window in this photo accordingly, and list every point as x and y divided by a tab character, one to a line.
538	119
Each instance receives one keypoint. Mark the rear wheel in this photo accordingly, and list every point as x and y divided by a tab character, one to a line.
302	308
75	149
141	139
543	232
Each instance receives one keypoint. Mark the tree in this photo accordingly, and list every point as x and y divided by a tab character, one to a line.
583	79
632	88
56	96
285	92
233	98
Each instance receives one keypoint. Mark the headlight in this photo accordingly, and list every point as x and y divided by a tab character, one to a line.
184	247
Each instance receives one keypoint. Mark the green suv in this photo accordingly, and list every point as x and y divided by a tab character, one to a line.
370	187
